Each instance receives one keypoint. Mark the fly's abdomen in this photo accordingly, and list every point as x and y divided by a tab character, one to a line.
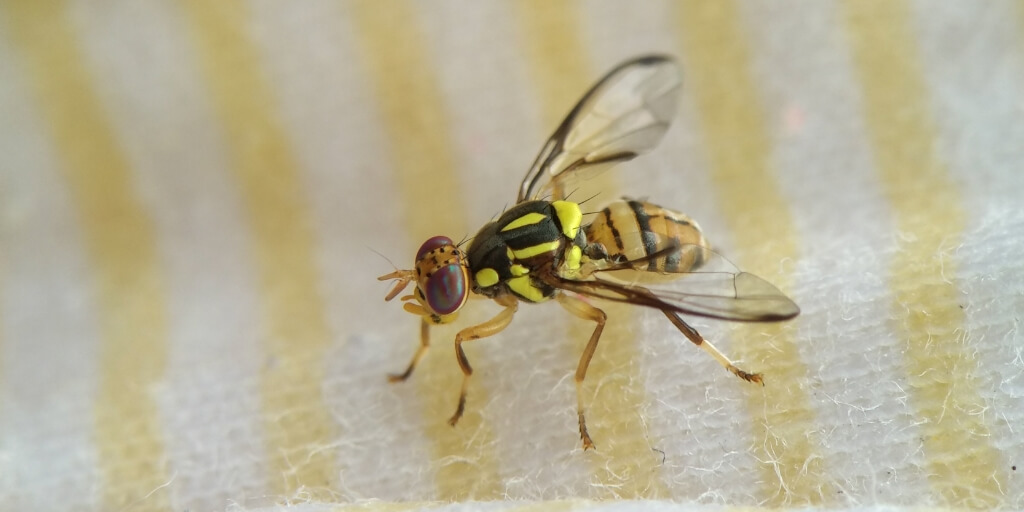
634	230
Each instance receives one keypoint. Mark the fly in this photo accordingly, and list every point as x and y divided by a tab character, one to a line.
632	251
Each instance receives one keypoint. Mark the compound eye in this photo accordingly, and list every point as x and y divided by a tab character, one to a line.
431	244
446	289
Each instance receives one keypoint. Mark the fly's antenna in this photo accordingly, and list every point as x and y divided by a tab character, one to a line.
401	277
382	256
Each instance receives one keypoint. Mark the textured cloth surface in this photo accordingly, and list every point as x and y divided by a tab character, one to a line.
192	193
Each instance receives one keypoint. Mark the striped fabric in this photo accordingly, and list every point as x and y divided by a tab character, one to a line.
191	195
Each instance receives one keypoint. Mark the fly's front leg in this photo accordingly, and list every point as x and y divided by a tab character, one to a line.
488	328
424	345
581	309
699	340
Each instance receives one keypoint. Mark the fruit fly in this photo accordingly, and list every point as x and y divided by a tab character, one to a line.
631	251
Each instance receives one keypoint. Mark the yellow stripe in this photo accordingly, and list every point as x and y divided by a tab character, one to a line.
526	220
3	270
3	350
555	51
624	465
123	252
552	506
536	506
401	74
1020	17
298	426
963	466
534	250
384	506
739	152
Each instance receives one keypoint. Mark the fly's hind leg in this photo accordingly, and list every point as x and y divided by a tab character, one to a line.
699	340
488	328
424	345
581	309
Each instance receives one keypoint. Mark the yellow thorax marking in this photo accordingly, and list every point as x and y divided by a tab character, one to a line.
570	216
523	287
519	270
525	220
487	277
572	258
534	250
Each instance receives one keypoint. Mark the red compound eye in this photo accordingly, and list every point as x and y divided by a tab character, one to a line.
446	290
431	244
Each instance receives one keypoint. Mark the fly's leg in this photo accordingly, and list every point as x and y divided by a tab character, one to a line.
699	340
424	345
581	309
488	328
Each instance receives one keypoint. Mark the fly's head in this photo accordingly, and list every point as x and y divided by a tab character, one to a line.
442	281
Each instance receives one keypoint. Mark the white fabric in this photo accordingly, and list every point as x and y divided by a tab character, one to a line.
694	439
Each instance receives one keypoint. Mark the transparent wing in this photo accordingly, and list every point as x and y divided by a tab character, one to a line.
717	290
624	114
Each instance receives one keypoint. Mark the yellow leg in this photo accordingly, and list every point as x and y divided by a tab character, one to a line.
581	309
699	340
424	345
488	328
